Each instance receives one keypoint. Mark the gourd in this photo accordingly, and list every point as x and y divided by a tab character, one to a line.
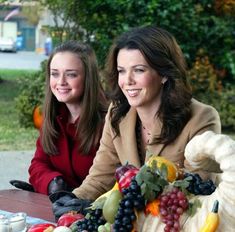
202	152
37	117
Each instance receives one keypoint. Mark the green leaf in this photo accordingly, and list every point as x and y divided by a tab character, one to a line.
143	188
139	179
162	182
193	206
98	204
183	184
151	180
164	171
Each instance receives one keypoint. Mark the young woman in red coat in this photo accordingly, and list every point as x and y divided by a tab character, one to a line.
74	110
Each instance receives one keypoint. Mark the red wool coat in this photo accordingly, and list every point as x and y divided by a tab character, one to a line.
69	163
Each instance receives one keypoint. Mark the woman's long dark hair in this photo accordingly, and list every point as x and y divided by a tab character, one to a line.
164	55
93	102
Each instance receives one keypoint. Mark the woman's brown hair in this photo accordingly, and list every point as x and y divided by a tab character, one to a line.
93	102
163	54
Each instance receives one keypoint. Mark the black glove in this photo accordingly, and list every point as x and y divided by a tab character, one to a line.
63	202
22	185
57	184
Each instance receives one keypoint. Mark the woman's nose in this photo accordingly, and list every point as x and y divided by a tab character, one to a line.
129	78
62	79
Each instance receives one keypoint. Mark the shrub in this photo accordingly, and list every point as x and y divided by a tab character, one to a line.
32	95
207	87
224	102
203	75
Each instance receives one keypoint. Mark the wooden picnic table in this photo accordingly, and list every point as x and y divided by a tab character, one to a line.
33	204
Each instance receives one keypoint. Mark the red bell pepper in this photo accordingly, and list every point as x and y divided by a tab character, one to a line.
68	218
40	227
125	180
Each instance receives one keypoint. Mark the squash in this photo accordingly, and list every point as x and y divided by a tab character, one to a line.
201	152
37	117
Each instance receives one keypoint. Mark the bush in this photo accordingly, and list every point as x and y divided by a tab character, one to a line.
207	87
226	108
203	75
224	102
32	95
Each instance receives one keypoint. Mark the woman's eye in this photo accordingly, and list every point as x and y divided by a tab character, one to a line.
71	75
120	71
139	70
53	74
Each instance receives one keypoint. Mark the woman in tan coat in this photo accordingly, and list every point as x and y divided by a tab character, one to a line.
152	109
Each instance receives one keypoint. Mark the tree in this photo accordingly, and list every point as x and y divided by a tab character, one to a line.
196	24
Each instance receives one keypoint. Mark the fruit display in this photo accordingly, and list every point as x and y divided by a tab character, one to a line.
151	198
158	197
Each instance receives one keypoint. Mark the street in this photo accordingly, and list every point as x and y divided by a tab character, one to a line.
21	60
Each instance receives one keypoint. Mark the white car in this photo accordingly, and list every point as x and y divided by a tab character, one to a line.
7	44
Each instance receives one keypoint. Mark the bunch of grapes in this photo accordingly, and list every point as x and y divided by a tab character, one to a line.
199	187
132	199
92	222
172	205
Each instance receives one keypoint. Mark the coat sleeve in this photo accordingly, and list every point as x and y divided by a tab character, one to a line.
101	175
204	118
41	171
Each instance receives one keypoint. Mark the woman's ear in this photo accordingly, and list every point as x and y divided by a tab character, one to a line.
164	80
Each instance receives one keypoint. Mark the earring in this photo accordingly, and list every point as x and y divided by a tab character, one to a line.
164	80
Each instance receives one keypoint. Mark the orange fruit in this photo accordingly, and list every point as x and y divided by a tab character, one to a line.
171	167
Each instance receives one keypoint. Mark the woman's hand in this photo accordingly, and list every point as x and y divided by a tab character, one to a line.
57	184
64	202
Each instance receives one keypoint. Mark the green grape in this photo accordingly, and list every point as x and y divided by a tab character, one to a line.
107	226
102	228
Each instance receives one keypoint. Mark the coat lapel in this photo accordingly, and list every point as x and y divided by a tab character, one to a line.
128	137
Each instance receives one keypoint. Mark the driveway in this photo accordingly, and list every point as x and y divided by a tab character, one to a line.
21	60
14	165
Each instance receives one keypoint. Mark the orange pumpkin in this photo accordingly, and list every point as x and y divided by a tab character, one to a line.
37	117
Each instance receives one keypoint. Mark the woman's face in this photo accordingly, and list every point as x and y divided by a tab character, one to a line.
67	76
140	83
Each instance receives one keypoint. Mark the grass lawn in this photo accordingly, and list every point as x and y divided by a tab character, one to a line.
12	136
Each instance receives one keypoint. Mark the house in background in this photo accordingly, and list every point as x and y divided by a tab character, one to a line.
15	24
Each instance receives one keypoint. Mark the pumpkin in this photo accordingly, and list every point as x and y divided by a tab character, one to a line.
37	117
201	152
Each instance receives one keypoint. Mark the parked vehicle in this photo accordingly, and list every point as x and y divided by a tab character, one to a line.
7	44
